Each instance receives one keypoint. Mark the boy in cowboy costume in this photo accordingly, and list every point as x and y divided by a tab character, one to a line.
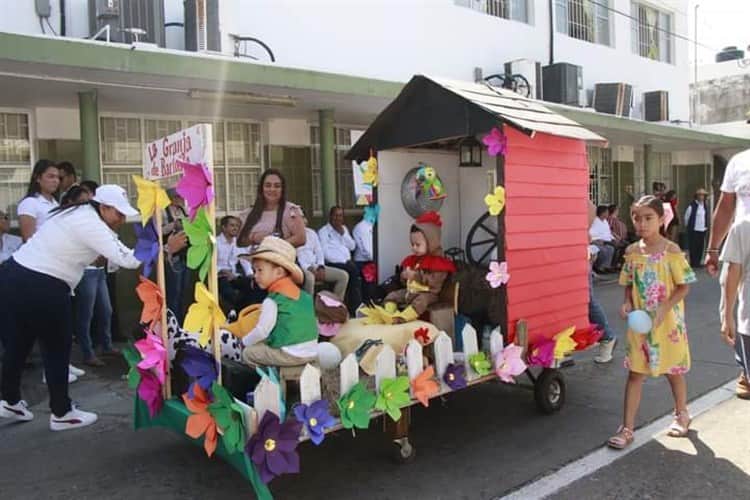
286	333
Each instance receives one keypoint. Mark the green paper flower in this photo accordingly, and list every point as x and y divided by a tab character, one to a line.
229	418
480	364
355	407
201	239
393	395
133	357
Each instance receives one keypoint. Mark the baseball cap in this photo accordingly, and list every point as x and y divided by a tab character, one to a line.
115	196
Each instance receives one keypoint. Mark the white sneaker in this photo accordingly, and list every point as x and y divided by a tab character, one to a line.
71	378
19	411
74	419
76	371
605	351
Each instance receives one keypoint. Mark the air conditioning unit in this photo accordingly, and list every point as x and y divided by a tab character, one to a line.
128	20
656	106
202	25
613	98
563	83
531	71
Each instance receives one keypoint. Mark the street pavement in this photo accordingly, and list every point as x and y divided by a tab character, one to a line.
481	443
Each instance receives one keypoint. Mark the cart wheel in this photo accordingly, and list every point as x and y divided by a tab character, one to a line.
403	452
549	391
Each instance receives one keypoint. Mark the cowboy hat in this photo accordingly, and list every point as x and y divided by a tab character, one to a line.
279	252
701	191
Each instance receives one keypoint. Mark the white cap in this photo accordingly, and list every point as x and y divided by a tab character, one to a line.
115	196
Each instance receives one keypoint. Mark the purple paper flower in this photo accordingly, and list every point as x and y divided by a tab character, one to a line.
542	354
146	245
273	448
201	366
496	142
315	418
455	376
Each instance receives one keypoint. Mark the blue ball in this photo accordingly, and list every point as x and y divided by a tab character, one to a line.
639	321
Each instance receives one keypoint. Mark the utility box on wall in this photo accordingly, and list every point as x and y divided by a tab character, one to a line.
563	83
613	98
656	106
125	17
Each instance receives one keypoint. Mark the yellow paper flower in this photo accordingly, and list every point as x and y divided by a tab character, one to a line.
151	197
370	174
564	343
495	201
205	315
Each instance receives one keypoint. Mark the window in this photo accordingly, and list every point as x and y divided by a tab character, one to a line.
344	176
601	178
516	10
237	163
15	160
651	33
584	20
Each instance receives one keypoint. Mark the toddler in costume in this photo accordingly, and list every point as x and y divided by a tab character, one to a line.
286	333
424	272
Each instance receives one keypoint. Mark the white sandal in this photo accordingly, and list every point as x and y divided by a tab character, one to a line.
680	425
622	439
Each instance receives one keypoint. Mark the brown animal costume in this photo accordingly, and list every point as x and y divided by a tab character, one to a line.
432	270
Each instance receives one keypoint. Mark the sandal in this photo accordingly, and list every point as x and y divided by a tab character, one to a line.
622	439
680	425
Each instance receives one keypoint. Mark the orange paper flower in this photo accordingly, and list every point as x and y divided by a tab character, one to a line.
425	386
201	422
152	299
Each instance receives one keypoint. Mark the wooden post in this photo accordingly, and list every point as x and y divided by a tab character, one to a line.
161	281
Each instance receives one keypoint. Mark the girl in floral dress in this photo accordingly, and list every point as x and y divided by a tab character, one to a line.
656	278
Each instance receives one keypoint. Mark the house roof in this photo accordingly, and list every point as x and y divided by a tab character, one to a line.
430	110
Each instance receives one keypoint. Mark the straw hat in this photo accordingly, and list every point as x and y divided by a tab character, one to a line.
701	191
281	253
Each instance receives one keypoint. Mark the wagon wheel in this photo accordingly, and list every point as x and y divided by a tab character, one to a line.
482	240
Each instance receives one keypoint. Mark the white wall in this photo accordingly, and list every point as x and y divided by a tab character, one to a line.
58	123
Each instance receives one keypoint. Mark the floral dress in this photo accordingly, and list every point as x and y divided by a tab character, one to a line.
664	350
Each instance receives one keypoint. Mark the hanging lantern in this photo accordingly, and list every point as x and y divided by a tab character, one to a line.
470	152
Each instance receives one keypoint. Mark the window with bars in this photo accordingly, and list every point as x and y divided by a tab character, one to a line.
15	160
516	10
344	175
601	175
584	19
237	162
651	33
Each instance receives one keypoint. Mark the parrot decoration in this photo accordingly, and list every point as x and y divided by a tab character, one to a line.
432	186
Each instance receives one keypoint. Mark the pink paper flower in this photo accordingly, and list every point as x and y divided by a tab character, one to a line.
196	186
542	354
496	142
498	274
508	363
154	355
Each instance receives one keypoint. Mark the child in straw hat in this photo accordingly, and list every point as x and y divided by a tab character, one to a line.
286	333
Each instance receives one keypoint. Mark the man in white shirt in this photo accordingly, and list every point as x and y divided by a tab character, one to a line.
338	245
8	242
312	261
601	236
696	223
227	261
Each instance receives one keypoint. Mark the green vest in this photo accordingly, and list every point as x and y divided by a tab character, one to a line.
295	321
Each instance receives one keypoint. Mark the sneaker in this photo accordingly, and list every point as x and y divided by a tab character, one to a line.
605	351
76	371
71	378
74	419
19	411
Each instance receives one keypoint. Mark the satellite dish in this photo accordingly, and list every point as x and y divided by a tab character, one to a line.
415	196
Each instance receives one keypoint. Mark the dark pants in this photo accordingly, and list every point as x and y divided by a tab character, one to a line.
354	288
175	276
369	290
35	306
597	315
696	244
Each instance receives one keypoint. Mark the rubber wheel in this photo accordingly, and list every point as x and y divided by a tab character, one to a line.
403	452
549	391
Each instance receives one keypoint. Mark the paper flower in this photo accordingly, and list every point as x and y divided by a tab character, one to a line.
563	343
480	364
455	376
153	301
328	329
370	172
200	366
316	419
133	357
587	337
542	354
355	406
146	245
201	422
424	386
154	355
498	274
273	448
196	186
496	142
204	315
372	212
422	335
149	391
228	416
151	197
508	363
370	272
202	240
393	395
495	201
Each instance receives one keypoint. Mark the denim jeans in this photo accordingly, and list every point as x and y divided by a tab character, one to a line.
92	306
597	314
175	274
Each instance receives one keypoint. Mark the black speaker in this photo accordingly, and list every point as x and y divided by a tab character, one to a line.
613	98
656	106
563	83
